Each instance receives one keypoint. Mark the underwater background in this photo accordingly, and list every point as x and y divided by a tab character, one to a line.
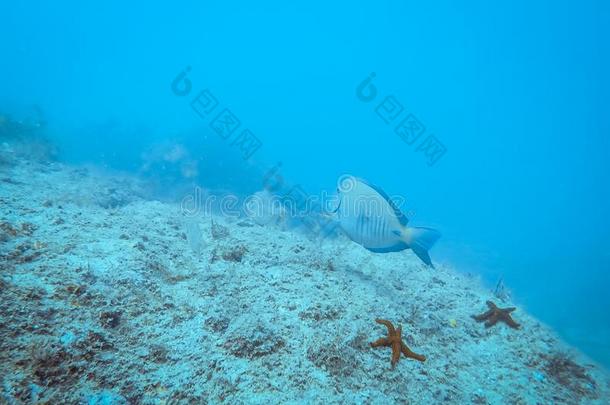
509	161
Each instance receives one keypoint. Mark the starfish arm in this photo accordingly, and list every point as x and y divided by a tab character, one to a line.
491	305
380	342
483	316
387	324
395	353
410	354
509	310
511	322
491	321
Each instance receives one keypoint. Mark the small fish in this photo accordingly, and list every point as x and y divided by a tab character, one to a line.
371	219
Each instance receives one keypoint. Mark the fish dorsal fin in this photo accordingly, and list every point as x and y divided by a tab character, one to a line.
402	218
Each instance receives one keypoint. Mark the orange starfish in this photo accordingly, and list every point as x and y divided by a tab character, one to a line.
394	341
496	314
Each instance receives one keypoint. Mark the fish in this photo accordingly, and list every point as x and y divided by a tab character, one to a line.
370	218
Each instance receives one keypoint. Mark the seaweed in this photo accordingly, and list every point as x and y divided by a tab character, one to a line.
76	290
25	229
159	354
92	344
218	325
110	319
23	253
8	229
317	313
337	359
114	197
219	231
567	373
261	342
235	254
53	365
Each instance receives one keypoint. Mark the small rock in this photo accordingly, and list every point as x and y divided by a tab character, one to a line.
110	319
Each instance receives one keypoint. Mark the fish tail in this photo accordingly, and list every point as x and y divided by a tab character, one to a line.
420	240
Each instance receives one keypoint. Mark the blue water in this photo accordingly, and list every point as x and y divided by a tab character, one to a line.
516	96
